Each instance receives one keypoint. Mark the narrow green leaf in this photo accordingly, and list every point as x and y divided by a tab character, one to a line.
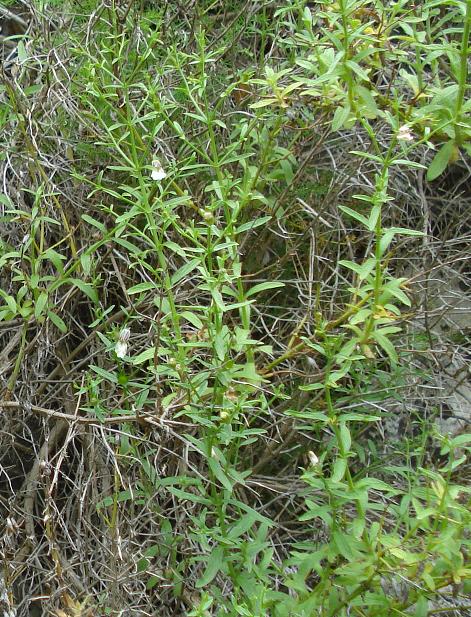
144	356
193	319
91	221
5	200
85	260
55	258
421	607
440	160
57	321
214	562
184	270
263	287
137	289
178	129
345	437
307	17
408	163
367	155
86	288
142	565
266	522
400	295
312	386
343	544
355	215
363	270
40	304
340	117
21	51
374	216
185	496
217	297
374	484
219	474
11	303
386	344
338	472
369	102
104	373
252	224
263	103
242	526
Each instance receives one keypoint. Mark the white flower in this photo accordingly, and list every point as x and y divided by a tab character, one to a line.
124	335
121	347
404	133
208	216
312	458
158	172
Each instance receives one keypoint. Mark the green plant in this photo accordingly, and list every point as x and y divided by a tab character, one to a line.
232	416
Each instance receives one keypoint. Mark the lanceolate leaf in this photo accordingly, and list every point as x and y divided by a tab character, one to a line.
214	563
263	287
441	160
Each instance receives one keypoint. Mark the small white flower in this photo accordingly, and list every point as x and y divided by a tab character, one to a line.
158	172
208	216
124	335
121	349
312	458
404	133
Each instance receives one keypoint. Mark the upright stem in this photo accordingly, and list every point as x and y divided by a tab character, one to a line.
463	76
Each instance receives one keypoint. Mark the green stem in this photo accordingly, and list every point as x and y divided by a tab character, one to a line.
463	76
347	75
19	360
